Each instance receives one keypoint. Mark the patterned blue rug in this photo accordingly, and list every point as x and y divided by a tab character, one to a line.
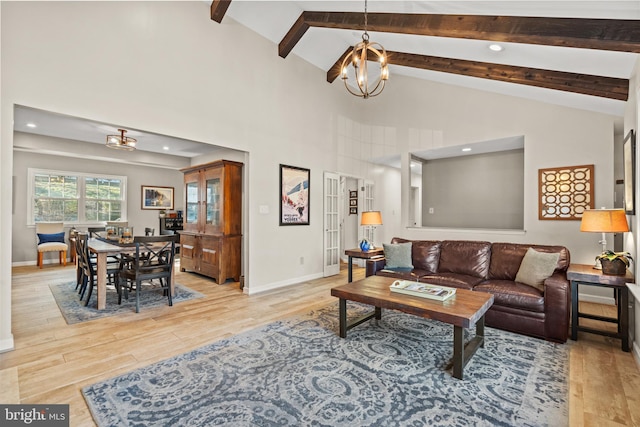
74	311
299	373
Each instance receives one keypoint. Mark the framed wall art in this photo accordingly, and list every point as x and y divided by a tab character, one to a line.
294	195
565	193
629	165
160	198
353	210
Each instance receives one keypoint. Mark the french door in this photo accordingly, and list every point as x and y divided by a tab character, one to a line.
331	224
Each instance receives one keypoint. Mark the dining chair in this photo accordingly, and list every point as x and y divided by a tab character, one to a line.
87	272
51	239
93	231
149	231
152	259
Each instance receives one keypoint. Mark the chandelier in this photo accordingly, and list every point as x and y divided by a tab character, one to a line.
368	85
121	142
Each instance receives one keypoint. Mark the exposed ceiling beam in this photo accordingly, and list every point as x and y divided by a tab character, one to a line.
602	34
605	87
218	9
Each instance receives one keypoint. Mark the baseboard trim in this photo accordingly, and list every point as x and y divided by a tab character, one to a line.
250	290
7	344
35	262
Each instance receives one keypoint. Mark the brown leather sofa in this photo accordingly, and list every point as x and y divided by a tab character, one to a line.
492	267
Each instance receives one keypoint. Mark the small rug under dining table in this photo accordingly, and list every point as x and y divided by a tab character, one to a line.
299	372
74	311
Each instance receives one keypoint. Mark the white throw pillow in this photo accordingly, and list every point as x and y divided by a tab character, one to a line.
536	267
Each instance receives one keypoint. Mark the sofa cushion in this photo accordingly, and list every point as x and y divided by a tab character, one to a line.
425	254
508	293
404	274
470	258
397	255
536	267
507	257
453	280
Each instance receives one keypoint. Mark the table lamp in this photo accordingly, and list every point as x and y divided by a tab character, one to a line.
369	219
604	221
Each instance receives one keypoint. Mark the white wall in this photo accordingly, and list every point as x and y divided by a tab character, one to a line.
185	76
554	136
189	77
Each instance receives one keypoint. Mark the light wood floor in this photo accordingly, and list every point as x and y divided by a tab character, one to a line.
52	361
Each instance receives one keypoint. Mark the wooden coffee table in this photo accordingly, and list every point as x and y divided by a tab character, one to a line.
463	310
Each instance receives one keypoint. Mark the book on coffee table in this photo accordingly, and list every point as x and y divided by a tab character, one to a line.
424	290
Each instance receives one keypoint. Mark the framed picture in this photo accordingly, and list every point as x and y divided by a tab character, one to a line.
629	159
294	195
353	194
565	193
353	211
160	198
353	202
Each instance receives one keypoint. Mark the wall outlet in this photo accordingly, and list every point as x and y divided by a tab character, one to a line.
431	210
301	260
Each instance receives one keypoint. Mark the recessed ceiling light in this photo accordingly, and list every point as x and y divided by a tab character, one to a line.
165	148
31	125
466	149
495	47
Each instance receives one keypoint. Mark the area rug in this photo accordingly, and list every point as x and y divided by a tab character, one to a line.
74	311
298	372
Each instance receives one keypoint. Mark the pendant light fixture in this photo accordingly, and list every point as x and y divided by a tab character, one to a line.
368	85
121	142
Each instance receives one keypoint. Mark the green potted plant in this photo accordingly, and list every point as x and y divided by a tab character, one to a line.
615	263
162	213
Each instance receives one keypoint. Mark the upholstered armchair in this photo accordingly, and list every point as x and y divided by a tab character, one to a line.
51	239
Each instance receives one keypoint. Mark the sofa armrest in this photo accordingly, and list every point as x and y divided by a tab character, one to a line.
374	265
557	306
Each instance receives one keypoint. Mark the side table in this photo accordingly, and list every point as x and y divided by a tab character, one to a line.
358	253
581	274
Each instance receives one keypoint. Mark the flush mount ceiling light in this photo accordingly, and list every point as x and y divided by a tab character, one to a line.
496	47
121	142
369	85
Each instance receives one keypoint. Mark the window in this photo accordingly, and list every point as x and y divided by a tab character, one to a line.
76	198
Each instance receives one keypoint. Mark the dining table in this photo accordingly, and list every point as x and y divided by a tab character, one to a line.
102	247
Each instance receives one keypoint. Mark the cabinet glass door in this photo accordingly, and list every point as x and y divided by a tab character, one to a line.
213	202
192	203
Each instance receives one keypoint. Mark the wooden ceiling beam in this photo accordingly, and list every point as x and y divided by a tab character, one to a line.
605	87
219	9
602	34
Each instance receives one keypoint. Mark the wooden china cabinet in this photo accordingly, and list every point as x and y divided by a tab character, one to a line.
211	238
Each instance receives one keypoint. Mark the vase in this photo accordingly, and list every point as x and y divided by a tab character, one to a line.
615	267
364	245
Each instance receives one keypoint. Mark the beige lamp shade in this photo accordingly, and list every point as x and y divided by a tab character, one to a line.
604	221
371	218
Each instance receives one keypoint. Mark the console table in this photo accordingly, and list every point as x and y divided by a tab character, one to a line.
358	253
581	274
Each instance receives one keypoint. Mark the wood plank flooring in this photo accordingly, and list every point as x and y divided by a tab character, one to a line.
52	361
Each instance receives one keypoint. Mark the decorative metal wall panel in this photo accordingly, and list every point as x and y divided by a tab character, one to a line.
565	193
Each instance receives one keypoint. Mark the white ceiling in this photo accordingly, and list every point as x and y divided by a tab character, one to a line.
322	47
80	129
